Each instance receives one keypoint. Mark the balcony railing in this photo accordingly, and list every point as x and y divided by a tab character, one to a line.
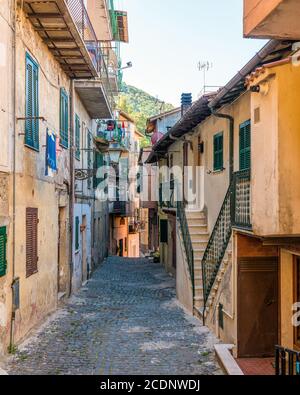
287	362
84	26
241	199
120	208
235	212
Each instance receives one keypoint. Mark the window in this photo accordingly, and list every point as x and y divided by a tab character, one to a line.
64	119
245	145
218	152
99	169
3	241
76	233
32	104
89	156
164	231
77	137
297	298
31	241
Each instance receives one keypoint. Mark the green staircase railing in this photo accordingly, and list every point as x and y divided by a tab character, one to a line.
235	212
181	215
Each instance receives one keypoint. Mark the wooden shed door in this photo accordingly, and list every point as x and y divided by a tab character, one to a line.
257	307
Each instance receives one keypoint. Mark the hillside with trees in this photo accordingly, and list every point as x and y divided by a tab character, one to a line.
140	105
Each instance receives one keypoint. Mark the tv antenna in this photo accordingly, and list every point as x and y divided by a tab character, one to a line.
204	67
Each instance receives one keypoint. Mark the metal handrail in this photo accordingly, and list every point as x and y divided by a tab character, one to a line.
287	362
235	211
181	215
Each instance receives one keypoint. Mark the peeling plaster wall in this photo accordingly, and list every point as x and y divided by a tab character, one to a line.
38	293
6	133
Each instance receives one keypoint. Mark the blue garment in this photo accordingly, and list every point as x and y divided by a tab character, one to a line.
51	165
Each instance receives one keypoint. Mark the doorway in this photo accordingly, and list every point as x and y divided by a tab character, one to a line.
121	248
63	265
84	249
257	307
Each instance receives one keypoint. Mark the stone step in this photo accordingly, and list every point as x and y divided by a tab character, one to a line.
197	222
198	255
194	214
198	237
198	281
199	244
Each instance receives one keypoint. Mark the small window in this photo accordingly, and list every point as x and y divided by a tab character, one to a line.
218	152
164	231
245	145
77	233
297	299
31	241
32	104
3	242
77	137
64	119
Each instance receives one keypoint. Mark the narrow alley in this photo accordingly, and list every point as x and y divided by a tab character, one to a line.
125	321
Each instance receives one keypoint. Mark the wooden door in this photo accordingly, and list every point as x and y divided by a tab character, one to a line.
257	307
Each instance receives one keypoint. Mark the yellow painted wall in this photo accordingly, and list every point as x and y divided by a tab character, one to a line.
286	298
217	183
275	153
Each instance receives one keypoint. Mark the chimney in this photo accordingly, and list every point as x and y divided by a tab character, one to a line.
186	102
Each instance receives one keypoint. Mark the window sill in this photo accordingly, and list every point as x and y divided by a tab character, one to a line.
215	172
32	148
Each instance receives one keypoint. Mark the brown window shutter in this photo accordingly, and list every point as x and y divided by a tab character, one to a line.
31	241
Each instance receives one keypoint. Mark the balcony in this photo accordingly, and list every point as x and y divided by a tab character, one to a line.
120	208
65	27
272	19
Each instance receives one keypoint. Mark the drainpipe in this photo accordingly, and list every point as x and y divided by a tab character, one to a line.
72	184
13	314
231	141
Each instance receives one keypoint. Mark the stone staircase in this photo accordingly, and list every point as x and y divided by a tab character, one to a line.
197	224
210	308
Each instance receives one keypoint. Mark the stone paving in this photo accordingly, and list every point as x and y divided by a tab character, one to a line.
125	321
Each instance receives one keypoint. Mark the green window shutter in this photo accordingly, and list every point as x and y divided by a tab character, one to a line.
77	233
90	156
64	119
3	241
32	103
218	152
98	164
245	145
77	137
164	231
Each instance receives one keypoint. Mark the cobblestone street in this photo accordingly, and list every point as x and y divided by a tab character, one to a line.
125	321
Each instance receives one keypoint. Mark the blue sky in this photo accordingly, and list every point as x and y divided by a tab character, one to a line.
169	37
